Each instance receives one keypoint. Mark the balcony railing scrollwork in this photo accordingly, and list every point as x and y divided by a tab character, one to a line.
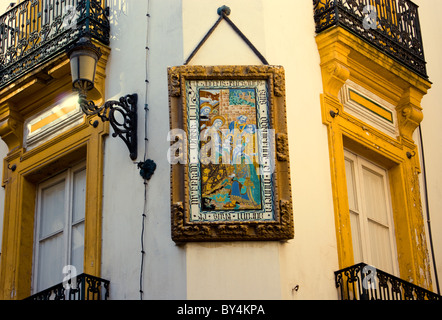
392	26
35	31
81	287
364	282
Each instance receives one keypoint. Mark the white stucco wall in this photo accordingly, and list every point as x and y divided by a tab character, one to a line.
283	31
311	258
164	266
4	4
431	127
235	270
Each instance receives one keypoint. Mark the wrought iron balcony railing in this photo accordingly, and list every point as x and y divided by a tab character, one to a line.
364	282
392	26
35	31
82	287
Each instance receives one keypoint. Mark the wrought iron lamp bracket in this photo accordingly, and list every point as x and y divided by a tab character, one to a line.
122	116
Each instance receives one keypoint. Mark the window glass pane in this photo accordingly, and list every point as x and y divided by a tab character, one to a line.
79	196
374	191
77	247
52	209
381	254
60	219
356	237
370	213
351	188
50	262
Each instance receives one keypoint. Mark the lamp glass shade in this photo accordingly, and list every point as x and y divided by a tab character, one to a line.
83	67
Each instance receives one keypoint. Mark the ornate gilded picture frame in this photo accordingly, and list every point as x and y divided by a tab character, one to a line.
230	175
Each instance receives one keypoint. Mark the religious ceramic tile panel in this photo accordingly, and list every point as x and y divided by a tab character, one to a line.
229	154
233	147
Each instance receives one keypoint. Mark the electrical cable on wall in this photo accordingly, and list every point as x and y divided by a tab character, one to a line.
147	167
427	206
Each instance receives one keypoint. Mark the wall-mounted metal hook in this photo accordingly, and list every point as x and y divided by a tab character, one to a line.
12	168
224	10
411	154
94	124
334	114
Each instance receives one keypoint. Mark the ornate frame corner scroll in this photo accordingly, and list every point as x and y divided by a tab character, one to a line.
230	175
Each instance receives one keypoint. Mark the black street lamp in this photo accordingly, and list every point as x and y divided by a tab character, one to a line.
84	56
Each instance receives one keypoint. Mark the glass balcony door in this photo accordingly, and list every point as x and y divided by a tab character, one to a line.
59	243
370	213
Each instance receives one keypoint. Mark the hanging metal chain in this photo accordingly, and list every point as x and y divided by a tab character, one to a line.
223	12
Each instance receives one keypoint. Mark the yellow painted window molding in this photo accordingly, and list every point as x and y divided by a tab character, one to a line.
44	138
81	143
346	59
370	108
51	122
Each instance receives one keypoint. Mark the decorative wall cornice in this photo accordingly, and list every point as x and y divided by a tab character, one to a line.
345	56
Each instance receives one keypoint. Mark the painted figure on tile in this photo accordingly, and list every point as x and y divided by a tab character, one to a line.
246	183
204	115
212	150
231	131
239	124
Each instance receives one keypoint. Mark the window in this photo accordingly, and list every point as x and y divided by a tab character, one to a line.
370	213
59	229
